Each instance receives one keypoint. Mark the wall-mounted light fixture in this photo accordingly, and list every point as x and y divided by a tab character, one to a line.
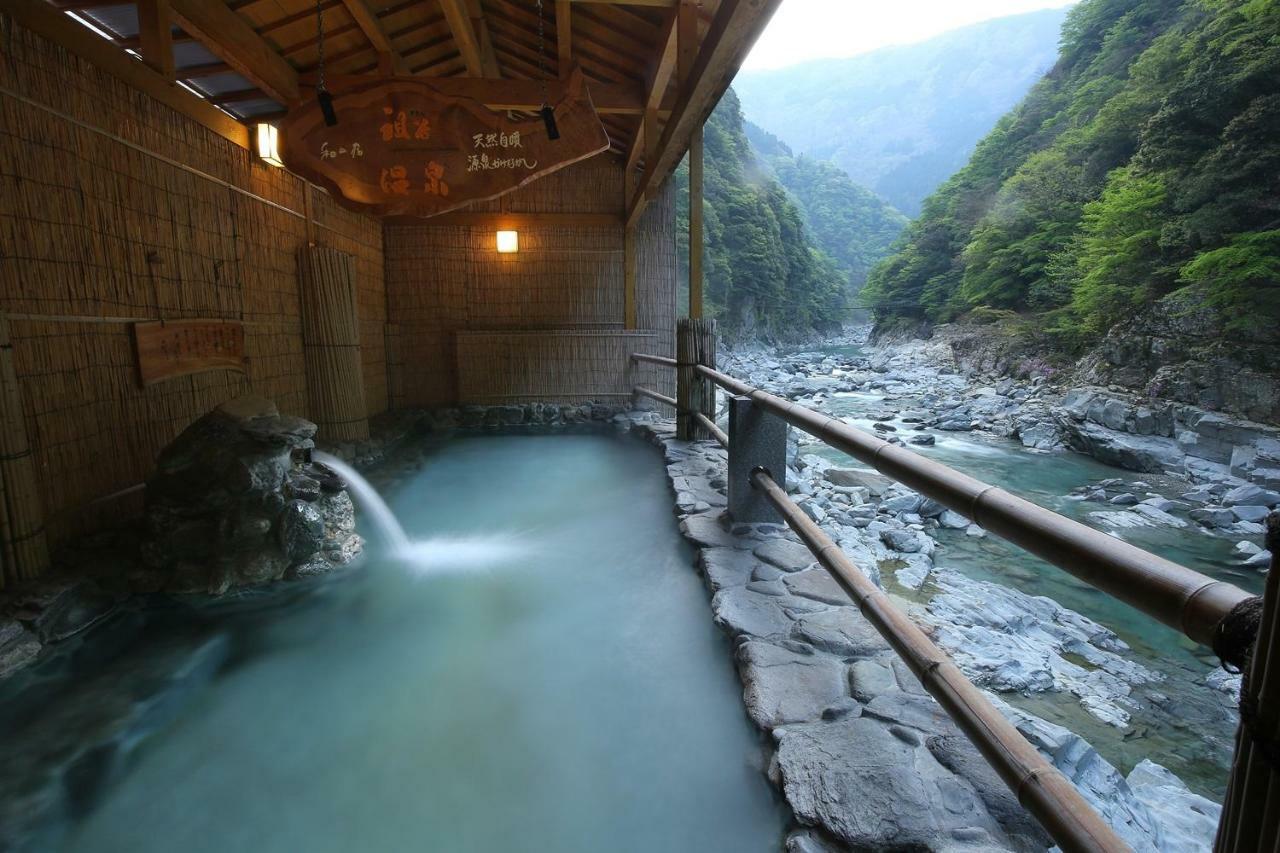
508	242
269	144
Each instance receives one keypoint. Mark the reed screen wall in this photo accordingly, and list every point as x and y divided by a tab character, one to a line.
115	208
451	296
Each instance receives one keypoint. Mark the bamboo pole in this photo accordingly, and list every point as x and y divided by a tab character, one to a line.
1181	598
1251	813
24	552
1039	786
331	343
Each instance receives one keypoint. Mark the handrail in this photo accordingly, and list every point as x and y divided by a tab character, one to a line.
1179	597
654	395
654	359
710	426
1040	787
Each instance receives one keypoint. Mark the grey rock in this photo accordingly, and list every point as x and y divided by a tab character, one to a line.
1251	495
1250	513
781	686
841	631
742	611
301	531
906	541
870	678
818	585
875	483
725	567
1124	499
902	503
18	647
1213	517
959	756
707	530
785	554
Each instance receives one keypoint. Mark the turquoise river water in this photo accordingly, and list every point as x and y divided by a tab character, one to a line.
542	674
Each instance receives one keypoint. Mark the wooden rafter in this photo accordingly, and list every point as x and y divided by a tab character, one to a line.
657	87
564	37
232	40
155	36
459	18
367	20
488	57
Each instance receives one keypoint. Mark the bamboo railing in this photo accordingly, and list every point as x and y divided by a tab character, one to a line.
1198	606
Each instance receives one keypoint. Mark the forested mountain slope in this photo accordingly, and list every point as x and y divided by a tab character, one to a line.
1143	169
848	222
762	273
901	119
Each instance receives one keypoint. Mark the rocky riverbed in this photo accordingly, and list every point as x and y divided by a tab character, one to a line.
1097	687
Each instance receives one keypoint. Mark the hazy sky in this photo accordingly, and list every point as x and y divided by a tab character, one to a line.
817	29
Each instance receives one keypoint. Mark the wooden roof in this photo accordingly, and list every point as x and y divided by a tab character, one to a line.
656	67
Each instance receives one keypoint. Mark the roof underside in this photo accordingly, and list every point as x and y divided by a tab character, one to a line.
616	43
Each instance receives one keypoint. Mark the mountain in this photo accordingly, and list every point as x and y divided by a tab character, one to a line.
900	120
1140	176
849	222
762	273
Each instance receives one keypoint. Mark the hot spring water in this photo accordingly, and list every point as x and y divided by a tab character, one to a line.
527	661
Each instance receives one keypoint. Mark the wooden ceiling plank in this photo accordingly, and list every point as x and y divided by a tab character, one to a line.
455	12
228	37
488	57
155	36
367	20
510	93
735	28
43	19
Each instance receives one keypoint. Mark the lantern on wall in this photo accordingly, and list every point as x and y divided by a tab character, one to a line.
508	242
269	144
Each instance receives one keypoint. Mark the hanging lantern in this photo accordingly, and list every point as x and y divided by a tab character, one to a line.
508	242
269	144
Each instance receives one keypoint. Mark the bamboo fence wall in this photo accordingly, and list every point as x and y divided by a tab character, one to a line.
113	209
446	283
331	343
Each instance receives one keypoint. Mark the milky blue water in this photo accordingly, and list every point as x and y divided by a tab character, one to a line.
547	679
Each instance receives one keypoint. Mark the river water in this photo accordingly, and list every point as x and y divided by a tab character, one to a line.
1182	723
555	682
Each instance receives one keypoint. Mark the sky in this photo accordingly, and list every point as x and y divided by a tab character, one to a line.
802	30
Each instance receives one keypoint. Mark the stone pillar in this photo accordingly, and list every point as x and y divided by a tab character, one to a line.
757	439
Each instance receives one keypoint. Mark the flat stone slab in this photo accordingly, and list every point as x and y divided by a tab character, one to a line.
706	531
874	790
785	554
818	585
741	611
843	631
781	686
726	567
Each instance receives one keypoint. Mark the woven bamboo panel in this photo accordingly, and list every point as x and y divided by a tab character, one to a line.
113	208
656	286
331	343
555	366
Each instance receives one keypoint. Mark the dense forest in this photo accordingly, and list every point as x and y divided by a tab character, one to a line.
848	222
900	120
762	273
1142	168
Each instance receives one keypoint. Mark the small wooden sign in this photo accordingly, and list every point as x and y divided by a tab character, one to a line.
168	349
402	148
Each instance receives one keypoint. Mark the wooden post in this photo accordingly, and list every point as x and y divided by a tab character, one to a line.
695	225
24	552
331	343
1251	812
155	34
695	344
628	277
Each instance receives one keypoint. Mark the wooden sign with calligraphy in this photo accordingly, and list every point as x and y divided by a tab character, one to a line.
402	148
168	349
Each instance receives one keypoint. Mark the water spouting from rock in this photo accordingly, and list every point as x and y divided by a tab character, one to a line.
367	497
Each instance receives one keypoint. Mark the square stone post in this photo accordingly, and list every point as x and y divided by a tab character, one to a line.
757	439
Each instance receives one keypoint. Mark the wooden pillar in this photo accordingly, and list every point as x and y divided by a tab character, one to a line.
155	36
629	277
695	344
331	344
24	552
695	225
1251	813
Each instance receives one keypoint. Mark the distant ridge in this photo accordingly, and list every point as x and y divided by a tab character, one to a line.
900	120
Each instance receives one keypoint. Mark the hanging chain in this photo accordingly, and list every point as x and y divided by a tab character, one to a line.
320	38
542	52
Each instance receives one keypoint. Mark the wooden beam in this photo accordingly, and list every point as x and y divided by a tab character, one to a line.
228	37
646	138
155	32
455	12
608	98
630	2
367	21
735	28
488	56
44	20
695	225
564	37
687	39
514	220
